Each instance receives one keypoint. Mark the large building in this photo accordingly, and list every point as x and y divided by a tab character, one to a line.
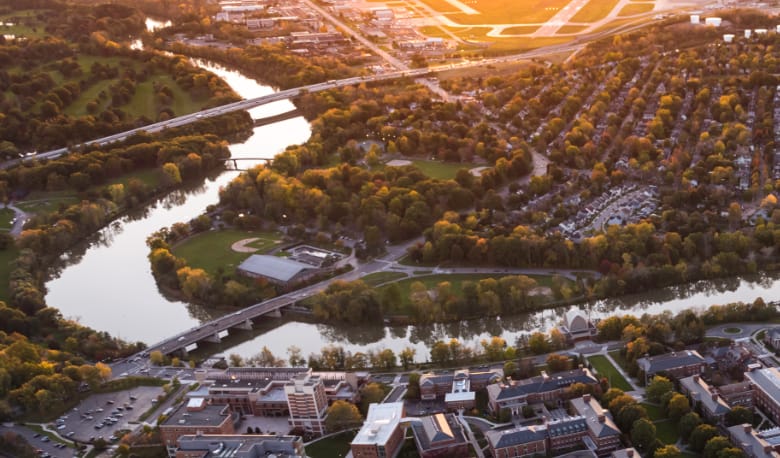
196	417
752	442
307	403
440	436
766	391
458	389
381	435
276	270
577	326
240	446
602	431
675	365
544	388
517	442
704	398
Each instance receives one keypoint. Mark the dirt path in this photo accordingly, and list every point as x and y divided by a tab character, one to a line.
242	245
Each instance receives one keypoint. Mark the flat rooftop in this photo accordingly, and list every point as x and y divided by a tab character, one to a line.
381	421
210	415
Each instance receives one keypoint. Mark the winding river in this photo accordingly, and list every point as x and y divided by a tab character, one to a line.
107	284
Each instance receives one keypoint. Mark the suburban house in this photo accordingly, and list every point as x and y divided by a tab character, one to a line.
543	388
752	442
705	398
381	435
675	365
440	436
766	390
240	446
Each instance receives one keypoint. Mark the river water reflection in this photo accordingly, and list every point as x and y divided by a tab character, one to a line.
107	283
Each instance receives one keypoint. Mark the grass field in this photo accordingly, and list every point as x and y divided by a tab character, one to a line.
615	354
572	29
332	447
520	30
22	24
211	250
456	280
150	177
594	10
439	170
6	215
377	278
42	203
605	369
636	8
654	412
667	432
502	11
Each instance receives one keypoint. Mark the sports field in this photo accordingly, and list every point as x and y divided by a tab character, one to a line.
498	11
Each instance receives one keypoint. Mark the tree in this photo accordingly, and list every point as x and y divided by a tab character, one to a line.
643	435
235	360
342	415
700	435
687	424
171	174
628	415
295	357
407	357
537	343
557	363
677	407
371	393
509	368
413	386
668	451
156	357
713	447
739	415
619	403
658	387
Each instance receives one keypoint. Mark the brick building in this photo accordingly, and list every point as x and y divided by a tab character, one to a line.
543	388
440	436
196	417
381	435
307	403
675	365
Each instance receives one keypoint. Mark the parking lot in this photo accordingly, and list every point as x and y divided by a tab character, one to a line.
102	414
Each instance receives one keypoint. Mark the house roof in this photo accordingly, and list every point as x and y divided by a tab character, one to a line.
545	383
598	420
276	268
701	392
437	430
767	380
669	361
516	436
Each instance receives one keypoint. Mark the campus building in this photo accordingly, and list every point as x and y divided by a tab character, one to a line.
439	436
279	271
307	403
381	435
196	417
752	442
766	391
675	365
543	388
240	446
704	398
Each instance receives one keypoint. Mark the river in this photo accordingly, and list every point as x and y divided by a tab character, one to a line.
107	282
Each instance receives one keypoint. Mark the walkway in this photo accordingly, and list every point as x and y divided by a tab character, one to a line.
470	434
640	392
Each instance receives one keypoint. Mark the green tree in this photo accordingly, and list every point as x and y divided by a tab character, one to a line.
413	386
557	363
342	415
407	357
677	407
668	451
643	435
713	446
371	393
171	174
295	357
509	368
156	357
739	415
537	343
700	436
658	387
687	424
628	415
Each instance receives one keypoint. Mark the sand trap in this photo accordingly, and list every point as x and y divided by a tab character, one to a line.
399	163
477	171
241	245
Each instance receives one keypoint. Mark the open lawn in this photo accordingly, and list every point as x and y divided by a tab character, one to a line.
211	250
605	369
615	354
520	30
571	29
456	280
654	412
150	177
377	278
594	10
42	203
6	216
667	432
440	170
636	8
502	11
331	447
22	24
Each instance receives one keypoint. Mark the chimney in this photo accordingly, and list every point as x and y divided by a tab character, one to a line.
696	378
630	453
767	449
602	418
714	397
747	427
586	397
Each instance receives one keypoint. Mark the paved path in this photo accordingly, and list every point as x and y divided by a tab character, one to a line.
470	434
20	218
636	388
